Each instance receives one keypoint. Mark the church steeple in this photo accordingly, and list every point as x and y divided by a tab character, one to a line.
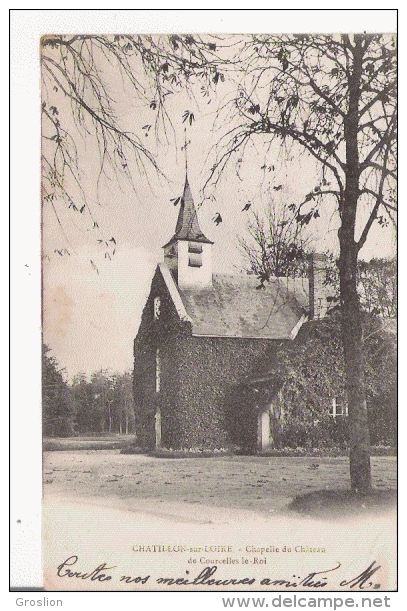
189	252
187	227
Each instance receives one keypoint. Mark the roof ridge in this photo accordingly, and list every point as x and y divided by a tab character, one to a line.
174	293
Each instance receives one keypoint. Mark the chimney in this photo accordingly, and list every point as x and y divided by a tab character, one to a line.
318	304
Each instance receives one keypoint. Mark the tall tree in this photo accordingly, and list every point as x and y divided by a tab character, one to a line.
57	409
104	403
102	386
378	286
276	244
122	404
86	415
335	98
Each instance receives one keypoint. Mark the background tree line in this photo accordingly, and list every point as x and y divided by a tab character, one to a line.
101	404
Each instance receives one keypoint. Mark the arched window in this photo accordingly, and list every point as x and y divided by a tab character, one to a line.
157	371
157	308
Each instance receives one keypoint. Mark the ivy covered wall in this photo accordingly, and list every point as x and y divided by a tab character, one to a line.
156	334
203	398
214	406
206	402
311	370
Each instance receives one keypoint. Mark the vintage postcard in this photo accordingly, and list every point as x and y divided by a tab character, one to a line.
219	312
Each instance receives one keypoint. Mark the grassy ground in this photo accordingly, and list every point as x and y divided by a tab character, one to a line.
265	485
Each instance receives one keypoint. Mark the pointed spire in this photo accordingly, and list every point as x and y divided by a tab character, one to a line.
187	227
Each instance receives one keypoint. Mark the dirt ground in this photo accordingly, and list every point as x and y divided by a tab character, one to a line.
99	506
233	483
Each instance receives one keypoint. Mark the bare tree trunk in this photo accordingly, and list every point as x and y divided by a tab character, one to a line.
352	331
352	339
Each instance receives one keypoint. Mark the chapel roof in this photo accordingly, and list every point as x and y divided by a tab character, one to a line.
234	307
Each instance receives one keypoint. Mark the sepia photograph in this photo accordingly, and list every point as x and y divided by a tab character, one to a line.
219	311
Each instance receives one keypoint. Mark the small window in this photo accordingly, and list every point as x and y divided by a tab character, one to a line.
338	407
157	371
157	308
195	248
195	261
195	254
